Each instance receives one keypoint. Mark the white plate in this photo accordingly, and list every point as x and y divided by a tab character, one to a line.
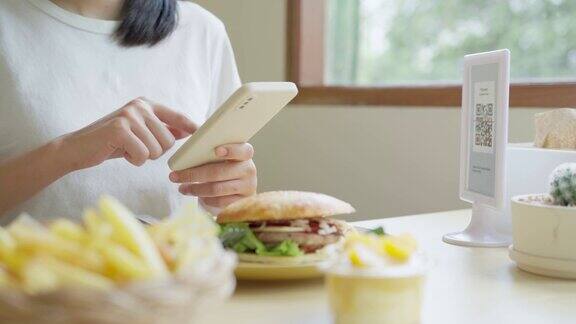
259	271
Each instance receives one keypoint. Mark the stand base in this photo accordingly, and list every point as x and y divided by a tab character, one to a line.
485	229
469	238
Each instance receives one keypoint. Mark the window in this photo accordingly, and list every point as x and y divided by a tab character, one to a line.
409	52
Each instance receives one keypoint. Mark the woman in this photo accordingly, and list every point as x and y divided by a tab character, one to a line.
92	90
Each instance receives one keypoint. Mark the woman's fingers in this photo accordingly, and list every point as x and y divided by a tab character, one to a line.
141	130
218	189
146	121
239	164
174	119
220	184
134	149
235	152
162	134
177	133
220	171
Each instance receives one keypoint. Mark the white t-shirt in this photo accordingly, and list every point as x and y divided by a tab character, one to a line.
60	71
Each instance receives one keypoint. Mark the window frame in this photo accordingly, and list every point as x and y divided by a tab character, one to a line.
305	67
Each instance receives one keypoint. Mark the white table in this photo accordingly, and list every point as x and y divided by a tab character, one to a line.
466	285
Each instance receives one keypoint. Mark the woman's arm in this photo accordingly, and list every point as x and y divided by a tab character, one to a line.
139	131
27	174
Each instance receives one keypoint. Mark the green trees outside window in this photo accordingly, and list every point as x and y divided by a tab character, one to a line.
379	42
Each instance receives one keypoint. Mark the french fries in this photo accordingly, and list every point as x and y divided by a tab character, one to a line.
7	244
69	230
130	232
108	248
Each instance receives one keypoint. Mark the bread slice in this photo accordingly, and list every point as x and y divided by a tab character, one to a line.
283	205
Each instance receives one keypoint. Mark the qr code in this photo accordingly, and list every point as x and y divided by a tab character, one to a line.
484	127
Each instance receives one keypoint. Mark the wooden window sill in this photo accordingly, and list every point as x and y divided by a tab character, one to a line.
542	95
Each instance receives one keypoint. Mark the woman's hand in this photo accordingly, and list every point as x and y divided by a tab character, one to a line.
139	131
221	183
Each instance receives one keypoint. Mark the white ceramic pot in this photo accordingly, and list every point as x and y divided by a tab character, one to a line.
544	237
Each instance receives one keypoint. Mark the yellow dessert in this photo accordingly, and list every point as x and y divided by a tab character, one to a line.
377	279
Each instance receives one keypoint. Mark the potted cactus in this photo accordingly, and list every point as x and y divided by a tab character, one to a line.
544	227
563	185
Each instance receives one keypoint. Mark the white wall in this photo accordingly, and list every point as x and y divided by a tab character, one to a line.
386	161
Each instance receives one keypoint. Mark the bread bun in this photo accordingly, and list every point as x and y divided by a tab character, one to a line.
283	205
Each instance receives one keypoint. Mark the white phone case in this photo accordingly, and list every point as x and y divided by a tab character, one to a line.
236	121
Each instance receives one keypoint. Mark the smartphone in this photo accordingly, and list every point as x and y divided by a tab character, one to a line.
247	111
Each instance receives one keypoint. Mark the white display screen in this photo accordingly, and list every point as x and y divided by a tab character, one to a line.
482	137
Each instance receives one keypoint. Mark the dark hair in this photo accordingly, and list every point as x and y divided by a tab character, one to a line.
146	22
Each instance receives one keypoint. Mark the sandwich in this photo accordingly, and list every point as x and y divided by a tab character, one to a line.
284	227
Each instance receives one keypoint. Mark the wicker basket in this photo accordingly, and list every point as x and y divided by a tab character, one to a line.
177	300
